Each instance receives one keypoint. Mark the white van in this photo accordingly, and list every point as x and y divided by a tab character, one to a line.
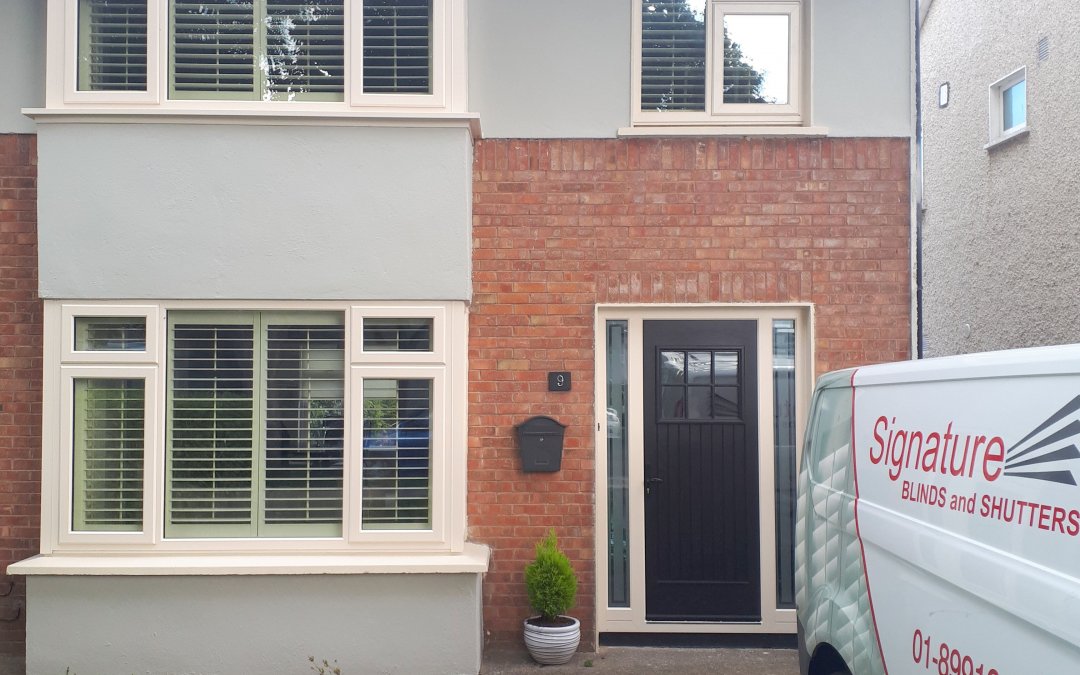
948	541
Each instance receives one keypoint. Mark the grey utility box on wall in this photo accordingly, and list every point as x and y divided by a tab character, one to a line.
540	442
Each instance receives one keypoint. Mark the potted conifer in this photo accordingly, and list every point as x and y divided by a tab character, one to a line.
551	637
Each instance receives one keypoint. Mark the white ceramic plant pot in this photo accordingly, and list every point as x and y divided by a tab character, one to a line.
552	645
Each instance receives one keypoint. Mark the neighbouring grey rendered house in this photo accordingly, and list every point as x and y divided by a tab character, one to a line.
280	245
1000	174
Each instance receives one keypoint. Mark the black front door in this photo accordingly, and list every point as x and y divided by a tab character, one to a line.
701	471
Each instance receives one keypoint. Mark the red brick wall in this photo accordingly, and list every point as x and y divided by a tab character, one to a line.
561	225
20	377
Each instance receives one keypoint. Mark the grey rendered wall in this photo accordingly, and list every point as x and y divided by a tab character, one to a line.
551	69
253	212
1001	225
863	79
22	62
377	623
561	68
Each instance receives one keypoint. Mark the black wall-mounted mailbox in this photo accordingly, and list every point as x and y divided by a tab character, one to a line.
540	442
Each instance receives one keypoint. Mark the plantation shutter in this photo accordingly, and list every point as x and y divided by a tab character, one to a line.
397	46
213	49
256	418
258	49
304	424
108	451
673	41
210	444
112	45
397	454
110	334
305	50
398	335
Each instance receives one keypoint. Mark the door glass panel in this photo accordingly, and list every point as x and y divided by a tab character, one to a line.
698	407
725	402
784	433
672	367
726	368
698	367
617	467
673	403
706	388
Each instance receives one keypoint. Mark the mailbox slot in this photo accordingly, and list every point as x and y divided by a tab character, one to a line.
540	442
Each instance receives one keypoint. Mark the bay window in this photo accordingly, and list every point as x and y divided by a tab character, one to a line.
284	424
700	62
187	54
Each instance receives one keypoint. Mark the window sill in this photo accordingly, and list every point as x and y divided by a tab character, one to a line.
271	117
473	560
1005	138
780	131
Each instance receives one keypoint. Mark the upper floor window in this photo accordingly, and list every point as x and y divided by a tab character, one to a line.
1008	107
360	53
718	62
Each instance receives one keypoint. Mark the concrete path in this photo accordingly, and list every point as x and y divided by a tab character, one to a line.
632	660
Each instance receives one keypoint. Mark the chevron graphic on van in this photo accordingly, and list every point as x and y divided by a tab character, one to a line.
1051	443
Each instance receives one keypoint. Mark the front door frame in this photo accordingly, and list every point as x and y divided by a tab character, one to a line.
632	619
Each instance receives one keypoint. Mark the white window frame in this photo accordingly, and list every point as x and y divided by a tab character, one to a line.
72	355
717	112
72	95
440	414
442	30
447	370
448	70
998	132
438	334
69	373
632	618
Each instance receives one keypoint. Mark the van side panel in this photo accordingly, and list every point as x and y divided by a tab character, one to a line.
834	606
969	513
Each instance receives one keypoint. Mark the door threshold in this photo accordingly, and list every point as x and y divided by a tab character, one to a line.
700	640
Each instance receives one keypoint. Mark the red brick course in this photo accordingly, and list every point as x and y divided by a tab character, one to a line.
20	378
561	225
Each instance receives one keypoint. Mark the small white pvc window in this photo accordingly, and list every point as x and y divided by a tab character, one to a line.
1008	106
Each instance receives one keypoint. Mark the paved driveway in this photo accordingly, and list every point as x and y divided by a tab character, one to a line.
630	660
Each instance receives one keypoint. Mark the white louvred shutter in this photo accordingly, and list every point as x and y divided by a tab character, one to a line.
305	50
108	450
304	423
673	53
397	454
256	426
397	43
112	45
258	49
210	437
214	43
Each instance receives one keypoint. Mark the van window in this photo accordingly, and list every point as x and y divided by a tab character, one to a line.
830	440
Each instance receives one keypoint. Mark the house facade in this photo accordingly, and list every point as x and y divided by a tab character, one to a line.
999	160
282	281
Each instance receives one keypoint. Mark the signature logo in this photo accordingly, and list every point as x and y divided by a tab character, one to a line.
1047	452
